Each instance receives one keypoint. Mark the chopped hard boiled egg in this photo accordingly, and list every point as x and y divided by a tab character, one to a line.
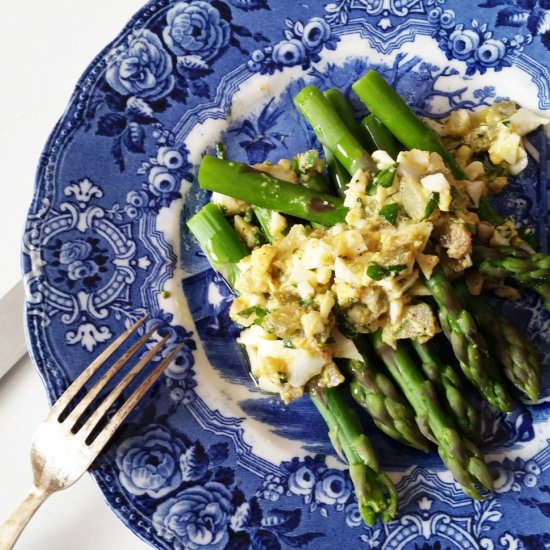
368	273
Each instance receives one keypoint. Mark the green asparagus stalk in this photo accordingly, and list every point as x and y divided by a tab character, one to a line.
487	213
343	109
506	342
376	494
459	454
446	380
379	136
332	131
506	261
219	241
397	116
391	413
341	106
338	174
262	214
258	188
468	345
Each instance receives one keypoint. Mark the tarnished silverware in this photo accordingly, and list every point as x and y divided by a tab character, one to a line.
71	436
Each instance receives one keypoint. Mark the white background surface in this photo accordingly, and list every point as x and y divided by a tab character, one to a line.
44	48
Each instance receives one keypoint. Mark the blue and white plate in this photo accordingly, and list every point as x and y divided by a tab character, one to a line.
207	461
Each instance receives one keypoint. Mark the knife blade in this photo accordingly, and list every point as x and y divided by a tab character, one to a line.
12	334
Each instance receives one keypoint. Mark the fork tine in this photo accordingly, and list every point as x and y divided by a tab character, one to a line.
69	394
105	379
109	400
118	418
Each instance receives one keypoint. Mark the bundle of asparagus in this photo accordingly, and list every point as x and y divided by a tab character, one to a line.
431	404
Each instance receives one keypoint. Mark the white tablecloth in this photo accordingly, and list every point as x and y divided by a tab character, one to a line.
44	48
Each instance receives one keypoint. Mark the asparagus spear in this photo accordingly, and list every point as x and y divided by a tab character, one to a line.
241	181
375	492
378	134
332	131
391	413
343	109
468	344
506	261
448	383
488	213
514	352
338	174
219	241
397	116
460	455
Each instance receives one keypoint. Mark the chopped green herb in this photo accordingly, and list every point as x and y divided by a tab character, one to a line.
506	123
306	303
384	178
288	344
378	272
330	340
454	192
430	206
390	212
259	312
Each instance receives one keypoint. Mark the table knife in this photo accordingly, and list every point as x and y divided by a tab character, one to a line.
12	334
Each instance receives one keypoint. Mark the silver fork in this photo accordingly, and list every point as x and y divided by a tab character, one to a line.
62	449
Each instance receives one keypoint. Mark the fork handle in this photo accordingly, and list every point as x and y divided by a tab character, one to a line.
13	525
